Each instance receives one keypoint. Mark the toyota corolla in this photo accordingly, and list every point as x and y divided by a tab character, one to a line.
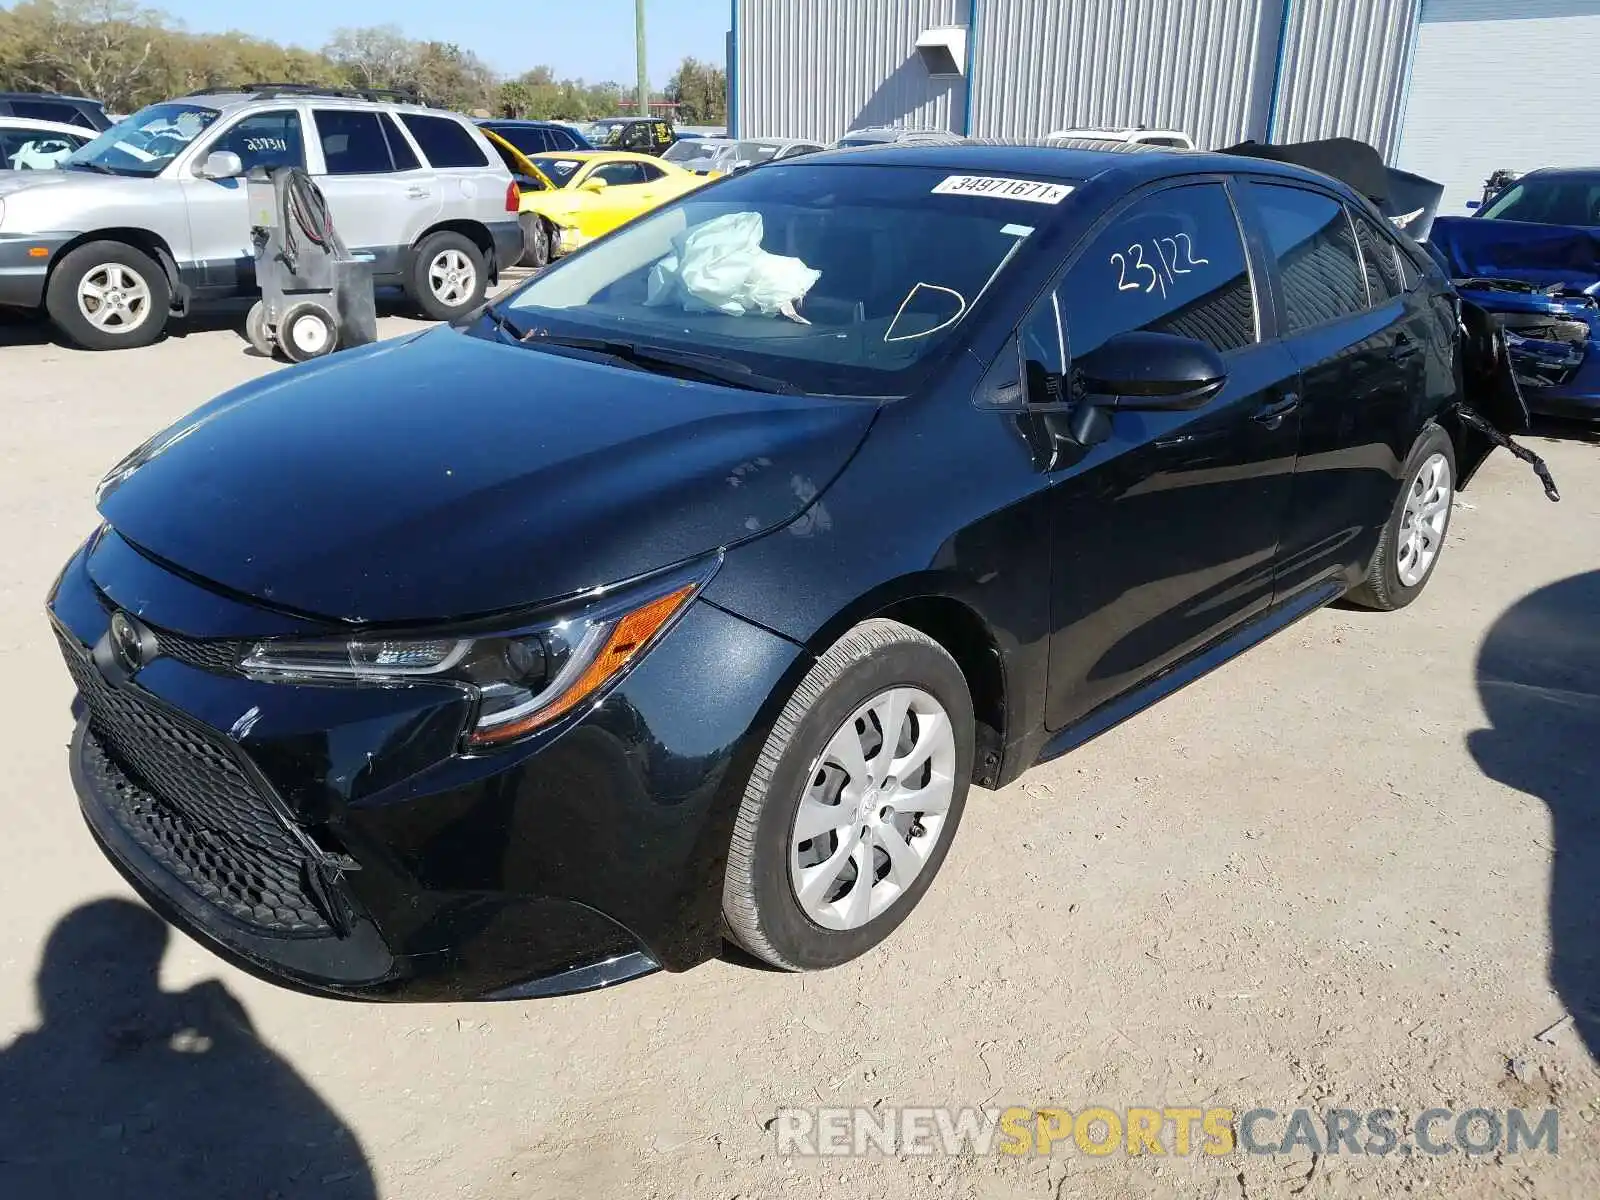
681	596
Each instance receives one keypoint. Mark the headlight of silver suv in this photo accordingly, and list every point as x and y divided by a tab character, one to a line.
522	680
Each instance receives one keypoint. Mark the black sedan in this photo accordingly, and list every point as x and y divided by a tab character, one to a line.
682	595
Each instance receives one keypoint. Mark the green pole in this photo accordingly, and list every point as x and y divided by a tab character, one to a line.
644	74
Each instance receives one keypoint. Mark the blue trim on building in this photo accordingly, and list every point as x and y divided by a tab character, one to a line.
972	66
1277	74
1393	155
733	70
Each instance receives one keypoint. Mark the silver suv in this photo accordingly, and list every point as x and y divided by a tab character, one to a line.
150	218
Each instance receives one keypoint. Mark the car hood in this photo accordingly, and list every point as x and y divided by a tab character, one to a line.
452	475
1476	247
12	182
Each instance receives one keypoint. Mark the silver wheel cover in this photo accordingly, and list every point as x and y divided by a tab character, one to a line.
114	298
452	278
874	808
1423	520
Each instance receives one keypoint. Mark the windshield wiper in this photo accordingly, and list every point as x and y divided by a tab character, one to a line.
505	324
91	166
714	367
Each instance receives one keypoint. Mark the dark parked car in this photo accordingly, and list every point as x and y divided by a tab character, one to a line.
537	652
537	137
1532	257
48	106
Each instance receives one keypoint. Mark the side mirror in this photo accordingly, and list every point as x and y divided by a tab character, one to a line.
1474	205
221	164
592	185
1152	372
527	183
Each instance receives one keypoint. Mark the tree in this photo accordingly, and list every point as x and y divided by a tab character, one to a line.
376	57
700	92
99	48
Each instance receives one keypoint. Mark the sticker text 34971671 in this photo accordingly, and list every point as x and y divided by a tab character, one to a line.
1031	190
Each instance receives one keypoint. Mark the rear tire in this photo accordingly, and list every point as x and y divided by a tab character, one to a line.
448	276
828	858
1414	536
109	296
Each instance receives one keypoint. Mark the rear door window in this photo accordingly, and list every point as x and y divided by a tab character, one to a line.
405	158
1314	245
445	143
1381	258
353	142
1171	262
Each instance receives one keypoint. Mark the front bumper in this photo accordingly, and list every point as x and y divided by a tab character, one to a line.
333	841
25	266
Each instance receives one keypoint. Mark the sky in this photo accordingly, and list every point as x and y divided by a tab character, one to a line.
510	35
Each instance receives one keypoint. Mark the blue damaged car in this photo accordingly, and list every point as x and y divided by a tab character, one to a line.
1531	256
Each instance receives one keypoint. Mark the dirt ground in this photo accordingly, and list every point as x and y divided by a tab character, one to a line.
1356	868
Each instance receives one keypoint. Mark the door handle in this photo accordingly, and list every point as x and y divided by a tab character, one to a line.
1272	415
418	193
1404	350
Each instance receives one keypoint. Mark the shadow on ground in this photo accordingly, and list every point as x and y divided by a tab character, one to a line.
1539	680
126	1090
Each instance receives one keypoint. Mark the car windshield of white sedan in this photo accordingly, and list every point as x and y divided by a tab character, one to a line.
834	278
144	143
559	171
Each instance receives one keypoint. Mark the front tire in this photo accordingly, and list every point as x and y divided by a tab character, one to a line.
448	276
853	802
109	296
1413	539
536	241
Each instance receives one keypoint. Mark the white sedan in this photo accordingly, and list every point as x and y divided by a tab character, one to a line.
30	145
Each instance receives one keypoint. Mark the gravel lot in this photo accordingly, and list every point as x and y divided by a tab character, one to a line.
1355	869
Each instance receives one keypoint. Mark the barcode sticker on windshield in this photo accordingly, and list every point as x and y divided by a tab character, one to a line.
1030	190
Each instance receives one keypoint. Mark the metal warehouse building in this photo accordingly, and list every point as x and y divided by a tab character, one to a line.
1450	89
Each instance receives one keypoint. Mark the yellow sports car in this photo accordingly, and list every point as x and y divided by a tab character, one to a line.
570	198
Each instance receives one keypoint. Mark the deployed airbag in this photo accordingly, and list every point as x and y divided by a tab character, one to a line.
720	267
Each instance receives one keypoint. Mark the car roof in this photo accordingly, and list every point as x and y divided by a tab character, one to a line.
1559	173
34	125
48	96
1059	160
229	101
522	122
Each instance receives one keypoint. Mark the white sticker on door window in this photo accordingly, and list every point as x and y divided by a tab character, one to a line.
1030	190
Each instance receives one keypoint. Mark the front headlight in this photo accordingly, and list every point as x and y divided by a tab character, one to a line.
522	680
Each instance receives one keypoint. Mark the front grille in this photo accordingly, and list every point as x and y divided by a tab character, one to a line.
219	655
178	790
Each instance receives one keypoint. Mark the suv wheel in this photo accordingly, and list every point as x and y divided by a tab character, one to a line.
109	296
853	802
448	277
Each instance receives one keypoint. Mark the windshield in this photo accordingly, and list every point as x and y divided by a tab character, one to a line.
558	171
608	131
689	149
1552	200
839	279
755	152
865	139
146	142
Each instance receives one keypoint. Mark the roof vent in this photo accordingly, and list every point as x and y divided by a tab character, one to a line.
943	49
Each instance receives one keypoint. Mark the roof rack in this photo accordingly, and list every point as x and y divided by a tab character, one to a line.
269	91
